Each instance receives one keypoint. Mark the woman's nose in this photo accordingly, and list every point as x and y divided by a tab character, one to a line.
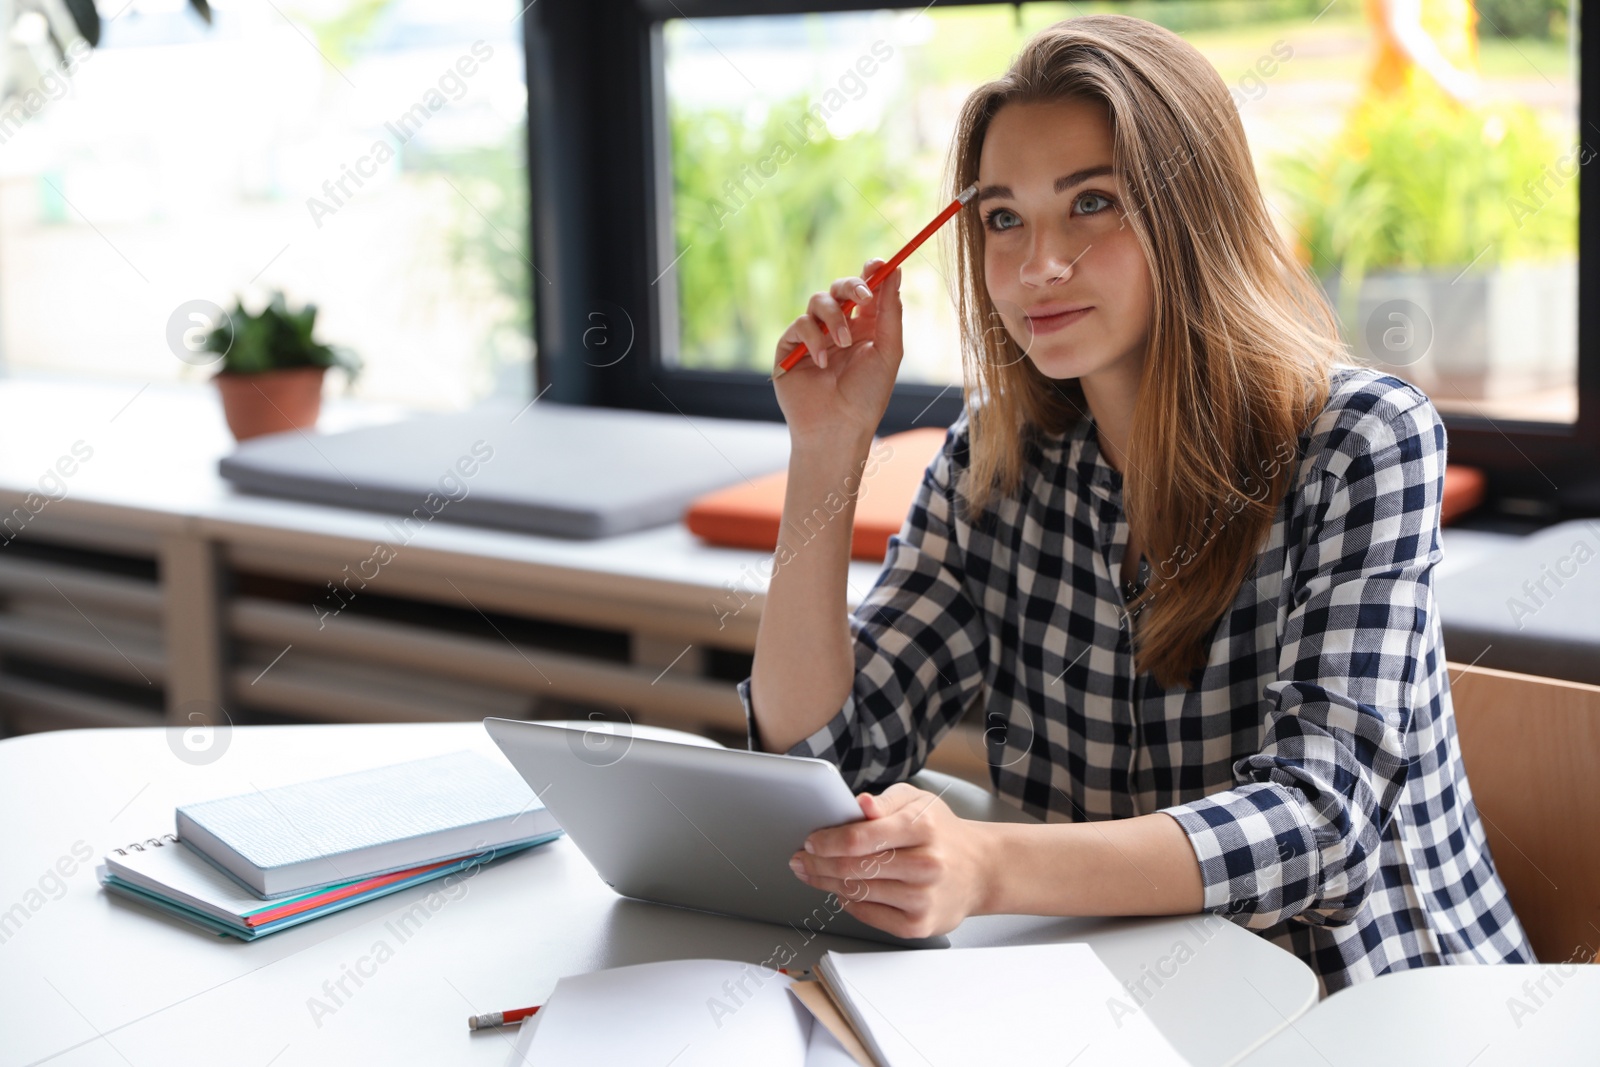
1050	262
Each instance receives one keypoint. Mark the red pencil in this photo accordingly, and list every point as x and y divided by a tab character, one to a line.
965	197
505	1018
499	1018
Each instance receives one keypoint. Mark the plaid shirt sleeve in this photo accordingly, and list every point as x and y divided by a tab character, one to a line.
920	646
1298	836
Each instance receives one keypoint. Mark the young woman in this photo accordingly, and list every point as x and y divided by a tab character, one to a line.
1177	555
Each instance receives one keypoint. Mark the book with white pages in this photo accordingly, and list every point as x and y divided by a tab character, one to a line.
308	835
896	1008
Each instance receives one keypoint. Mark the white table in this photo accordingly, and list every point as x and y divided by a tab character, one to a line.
86	978
1501	1016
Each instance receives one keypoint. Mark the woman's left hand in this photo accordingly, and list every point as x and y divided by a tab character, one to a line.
912	867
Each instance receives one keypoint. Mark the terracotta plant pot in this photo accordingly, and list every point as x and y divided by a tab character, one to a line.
272	402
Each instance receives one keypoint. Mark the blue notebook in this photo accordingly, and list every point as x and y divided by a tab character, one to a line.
310	835
166	875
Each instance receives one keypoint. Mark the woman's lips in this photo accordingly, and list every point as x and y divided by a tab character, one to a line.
1052	323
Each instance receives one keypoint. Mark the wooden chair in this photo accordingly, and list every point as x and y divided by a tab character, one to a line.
1531	747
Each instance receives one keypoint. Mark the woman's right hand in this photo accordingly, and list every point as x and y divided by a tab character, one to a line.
840	391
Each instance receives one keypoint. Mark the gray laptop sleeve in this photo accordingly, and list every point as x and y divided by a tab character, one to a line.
546	468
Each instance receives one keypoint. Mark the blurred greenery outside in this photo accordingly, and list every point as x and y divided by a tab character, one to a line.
1436	189
489	235
1439	188
487	193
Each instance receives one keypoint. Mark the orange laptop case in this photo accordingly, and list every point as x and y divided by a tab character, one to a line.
748	515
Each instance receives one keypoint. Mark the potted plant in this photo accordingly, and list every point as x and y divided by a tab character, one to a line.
272	369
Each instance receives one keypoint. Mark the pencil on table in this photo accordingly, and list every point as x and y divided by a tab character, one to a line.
499	1018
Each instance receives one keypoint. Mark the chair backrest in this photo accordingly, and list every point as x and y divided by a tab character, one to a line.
1531	747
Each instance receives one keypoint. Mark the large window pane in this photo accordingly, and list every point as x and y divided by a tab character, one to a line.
1450	247
368	158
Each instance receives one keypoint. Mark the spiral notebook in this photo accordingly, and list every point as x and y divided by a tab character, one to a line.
166	874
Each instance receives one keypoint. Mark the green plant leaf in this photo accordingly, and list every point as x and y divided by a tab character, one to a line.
1439	187
277	338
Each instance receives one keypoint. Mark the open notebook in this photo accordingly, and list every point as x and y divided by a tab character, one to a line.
905	1008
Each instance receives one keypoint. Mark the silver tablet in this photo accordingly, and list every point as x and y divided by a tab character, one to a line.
693	826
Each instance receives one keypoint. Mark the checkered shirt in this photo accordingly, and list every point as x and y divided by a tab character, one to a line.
1314	767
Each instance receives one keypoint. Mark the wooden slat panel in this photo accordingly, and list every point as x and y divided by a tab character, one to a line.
110	651
515	594
82	585
27	706
258	659
95	526
333	693
1531	748
668	698
191	617
52	608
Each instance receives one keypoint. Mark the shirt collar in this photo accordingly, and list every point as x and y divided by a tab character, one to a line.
1083	456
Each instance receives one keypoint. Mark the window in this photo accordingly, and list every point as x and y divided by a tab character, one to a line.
368	158
628	230
799	143
784	183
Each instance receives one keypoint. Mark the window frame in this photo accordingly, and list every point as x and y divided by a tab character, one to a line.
596	65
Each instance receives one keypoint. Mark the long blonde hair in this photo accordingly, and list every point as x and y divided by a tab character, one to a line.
1241	340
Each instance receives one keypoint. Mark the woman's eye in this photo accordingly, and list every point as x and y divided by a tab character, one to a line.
1105	202
996	219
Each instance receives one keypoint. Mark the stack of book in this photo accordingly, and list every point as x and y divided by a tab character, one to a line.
252	864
